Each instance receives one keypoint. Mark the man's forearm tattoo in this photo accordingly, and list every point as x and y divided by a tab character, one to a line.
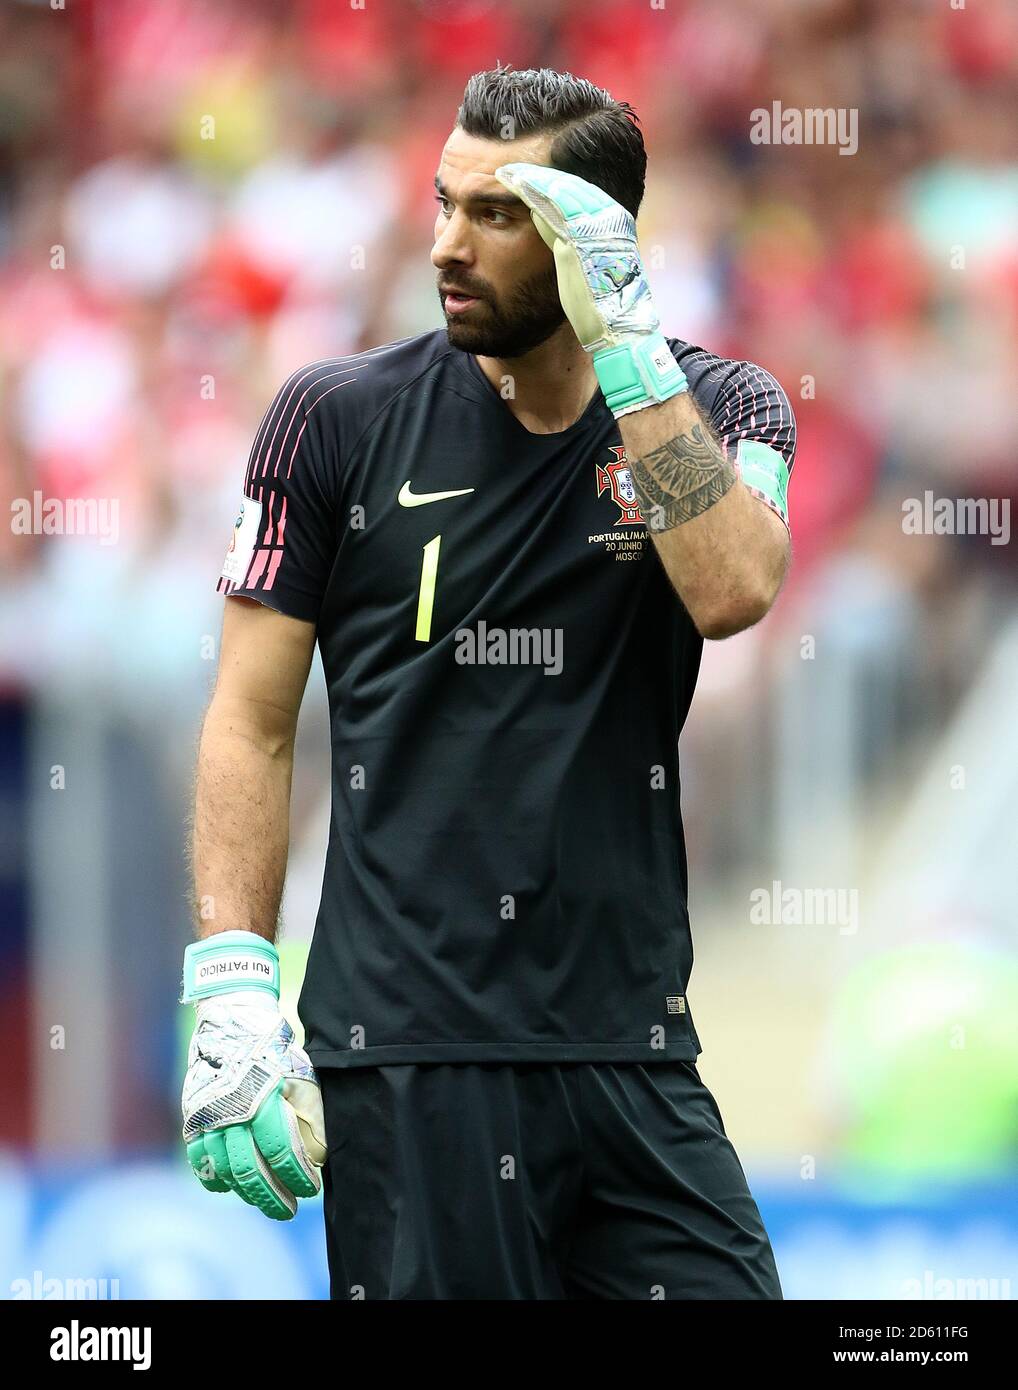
681	479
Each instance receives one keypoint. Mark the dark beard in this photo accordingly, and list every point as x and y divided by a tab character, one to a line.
524	322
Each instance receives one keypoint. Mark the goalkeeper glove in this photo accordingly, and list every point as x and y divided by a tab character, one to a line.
253	1120
601	283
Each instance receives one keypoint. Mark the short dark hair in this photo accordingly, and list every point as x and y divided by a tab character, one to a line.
596	137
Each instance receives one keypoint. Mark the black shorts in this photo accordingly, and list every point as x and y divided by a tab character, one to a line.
536	1181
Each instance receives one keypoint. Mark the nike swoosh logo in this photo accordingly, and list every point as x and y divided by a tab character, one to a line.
407	498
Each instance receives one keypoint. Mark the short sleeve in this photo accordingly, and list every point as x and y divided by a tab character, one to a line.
283	545
753	419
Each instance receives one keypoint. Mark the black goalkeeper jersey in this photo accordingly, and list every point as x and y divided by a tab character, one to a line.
508	671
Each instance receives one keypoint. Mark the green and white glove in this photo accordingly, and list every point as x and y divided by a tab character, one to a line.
253	1119
602	284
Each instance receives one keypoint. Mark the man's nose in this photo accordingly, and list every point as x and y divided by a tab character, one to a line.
452	245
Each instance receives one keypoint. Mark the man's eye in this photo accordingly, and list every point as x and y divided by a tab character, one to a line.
493	215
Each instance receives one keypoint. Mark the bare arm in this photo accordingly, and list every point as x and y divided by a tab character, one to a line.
725	551
241	828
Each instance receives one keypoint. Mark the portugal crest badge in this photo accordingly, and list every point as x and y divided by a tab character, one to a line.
617	478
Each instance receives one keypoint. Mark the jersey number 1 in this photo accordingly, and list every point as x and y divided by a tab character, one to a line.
426	596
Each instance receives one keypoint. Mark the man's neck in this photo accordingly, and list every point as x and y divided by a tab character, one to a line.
547	389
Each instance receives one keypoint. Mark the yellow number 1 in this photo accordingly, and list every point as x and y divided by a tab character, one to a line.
426	597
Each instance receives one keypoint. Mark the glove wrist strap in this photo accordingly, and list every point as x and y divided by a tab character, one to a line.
228	962
638	373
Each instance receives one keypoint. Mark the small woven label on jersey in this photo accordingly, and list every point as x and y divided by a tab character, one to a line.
676	1003
246	530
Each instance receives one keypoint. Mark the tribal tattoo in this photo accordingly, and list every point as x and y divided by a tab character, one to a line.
681	479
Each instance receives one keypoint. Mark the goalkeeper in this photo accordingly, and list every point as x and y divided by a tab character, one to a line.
500	1096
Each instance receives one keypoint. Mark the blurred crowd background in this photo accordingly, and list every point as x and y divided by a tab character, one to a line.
196	198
